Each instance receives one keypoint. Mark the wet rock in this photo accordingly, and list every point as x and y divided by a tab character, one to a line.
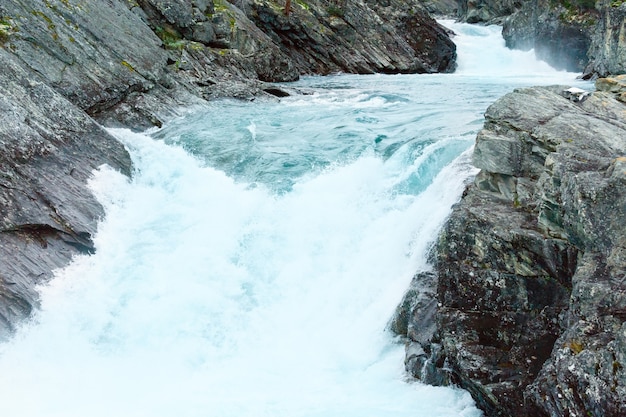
442	8
607	53
560	34
578	36
531	263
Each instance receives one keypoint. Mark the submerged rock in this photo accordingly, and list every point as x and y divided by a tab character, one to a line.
531	265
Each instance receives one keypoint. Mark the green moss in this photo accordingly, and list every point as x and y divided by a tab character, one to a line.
336	11
7	28
575	346
220	6
616	367
302	4
51	26
127	65
170	37
617	3
195	46
578	4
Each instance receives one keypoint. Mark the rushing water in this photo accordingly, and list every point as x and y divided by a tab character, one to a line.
252	264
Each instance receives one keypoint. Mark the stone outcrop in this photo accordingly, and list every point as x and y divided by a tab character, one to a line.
441	8
581	36
559	35
530	268
67	63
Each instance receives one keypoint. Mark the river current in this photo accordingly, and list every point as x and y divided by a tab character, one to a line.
252	264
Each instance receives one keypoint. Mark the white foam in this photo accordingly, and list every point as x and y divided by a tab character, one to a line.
208	298
481	51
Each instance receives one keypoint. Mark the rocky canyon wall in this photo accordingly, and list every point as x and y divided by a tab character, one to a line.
526	306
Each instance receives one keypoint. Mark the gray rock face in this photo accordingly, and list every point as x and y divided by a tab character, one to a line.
560	35
48	150
578	35
531	265
357	36
607	54
445	8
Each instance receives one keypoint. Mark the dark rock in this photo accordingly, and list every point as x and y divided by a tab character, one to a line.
277	92
559	35
531	263
445	8
577	36
441	8
573	35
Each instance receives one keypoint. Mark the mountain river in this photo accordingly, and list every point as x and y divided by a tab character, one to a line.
252	264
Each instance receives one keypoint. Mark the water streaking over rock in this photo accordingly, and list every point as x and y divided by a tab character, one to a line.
252	264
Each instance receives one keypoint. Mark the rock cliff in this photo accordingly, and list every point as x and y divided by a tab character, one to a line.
69	63
530	274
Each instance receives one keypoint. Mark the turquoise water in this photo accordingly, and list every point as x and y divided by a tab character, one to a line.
252	264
